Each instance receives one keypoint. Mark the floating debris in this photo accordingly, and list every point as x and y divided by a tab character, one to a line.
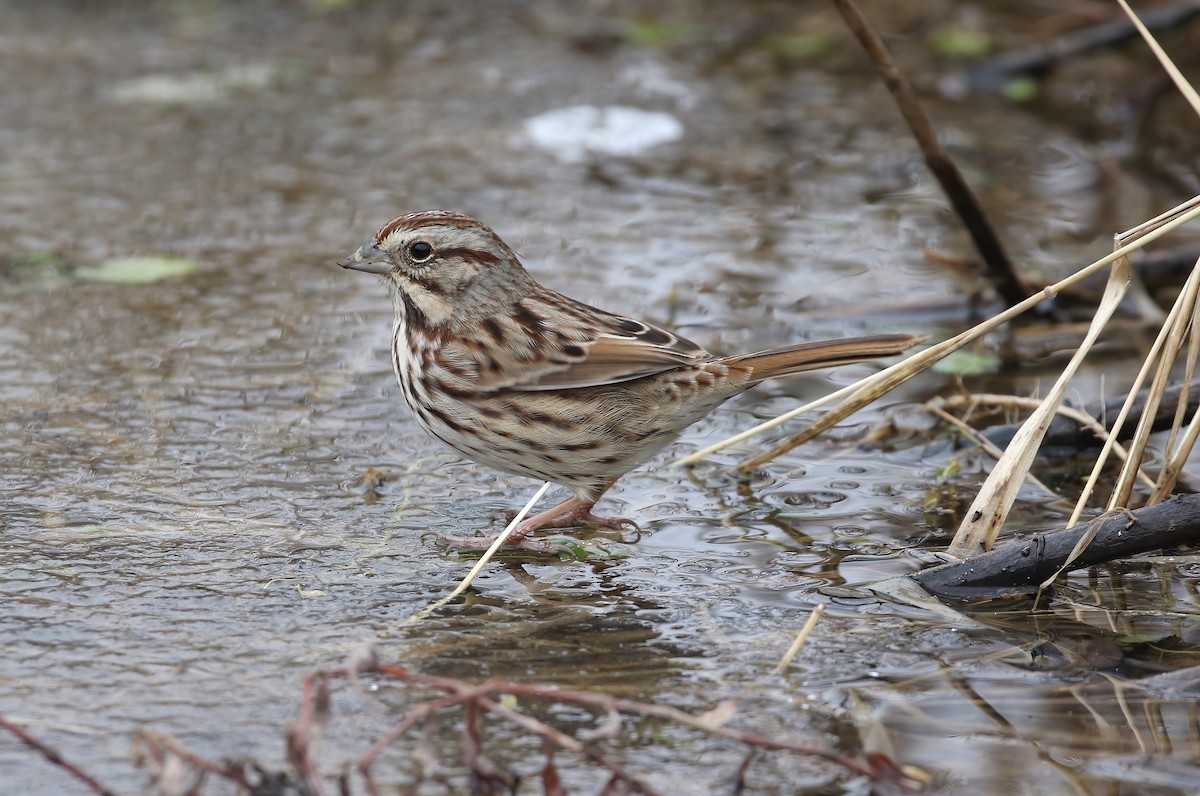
574	132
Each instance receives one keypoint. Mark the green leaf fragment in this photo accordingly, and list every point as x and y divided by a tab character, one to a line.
1021	89
798	46
961	43
658	34
968	363
137	270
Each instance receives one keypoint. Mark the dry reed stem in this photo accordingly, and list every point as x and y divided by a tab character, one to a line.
1115	429
801	637
1174	335
1069	412
988	512
1176	457
878	383
1172	461
990	508
1181	83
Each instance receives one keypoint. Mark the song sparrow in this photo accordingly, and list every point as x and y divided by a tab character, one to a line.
525	380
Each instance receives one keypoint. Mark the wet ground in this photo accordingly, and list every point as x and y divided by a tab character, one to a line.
185	531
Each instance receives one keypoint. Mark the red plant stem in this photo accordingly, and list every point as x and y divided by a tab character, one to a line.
55	757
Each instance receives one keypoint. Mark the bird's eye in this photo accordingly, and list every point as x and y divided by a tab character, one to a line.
420	251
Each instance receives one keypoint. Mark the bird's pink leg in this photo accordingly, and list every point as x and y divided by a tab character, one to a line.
572	511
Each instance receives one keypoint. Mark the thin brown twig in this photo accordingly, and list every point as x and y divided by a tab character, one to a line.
603	701
55	757
551	782
565	741
994	73
610	705
486	775
1005	278
156	742
739	776
314	709
472	740
417	715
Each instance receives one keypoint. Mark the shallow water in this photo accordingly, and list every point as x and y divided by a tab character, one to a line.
185	531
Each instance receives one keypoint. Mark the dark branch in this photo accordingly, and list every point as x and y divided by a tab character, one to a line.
1019	567
1004	276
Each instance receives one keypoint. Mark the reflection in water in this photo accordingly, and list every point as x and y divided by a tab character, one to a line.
1045	701
1003	730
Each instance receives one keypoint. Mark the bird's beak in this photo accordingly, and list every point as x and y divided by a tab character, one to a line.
370	259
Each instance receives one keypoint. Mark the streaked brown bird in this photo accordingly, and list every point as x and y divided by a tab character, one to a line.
520	378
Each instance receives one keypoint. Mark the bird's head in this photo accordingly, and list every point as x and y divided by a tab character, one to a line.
430	259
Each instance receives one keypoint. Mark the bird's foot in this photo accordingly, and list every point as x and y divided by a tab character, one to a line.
573	516
481	543
572	512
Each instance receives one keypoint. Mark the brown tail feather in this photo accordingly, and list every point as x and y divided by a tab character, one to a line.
821	354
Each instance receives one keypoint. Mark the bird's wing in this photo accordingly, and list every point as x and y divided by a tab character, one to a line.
565	345
615	356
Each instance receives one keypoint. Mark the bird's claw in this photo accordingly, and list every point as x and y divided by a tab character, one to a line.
611	523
